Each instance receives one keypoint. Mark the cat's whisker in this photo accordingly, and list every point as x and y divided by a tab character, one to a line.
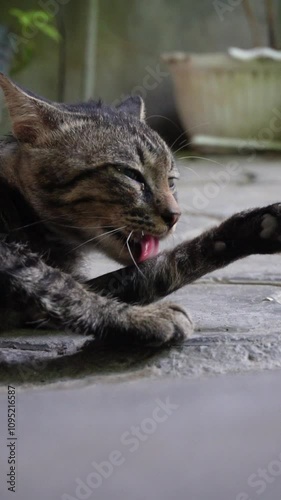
177	139
131	255
97	237
41	221
164	118
203	158
83	212
84	227
106	235
182	146
191	170
122	247
50	219
184	132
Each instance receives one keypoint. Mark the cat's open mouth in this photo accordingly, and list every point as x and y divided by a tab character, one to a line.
139	245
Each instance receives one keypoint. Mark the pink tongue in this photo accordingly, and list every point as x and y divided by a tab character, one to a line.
149	247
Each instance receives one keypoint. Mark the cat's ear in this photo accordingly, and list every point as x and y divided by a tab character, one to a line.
133	105
32	118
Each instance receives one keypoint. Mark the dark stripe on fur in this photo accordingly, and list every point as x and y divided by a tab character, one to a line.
71	183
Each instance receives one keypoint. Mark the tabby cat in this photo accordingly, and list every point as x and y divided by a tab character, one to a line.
86	176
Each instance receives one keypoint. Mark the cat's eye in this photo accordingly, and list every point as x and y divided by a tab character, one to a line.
132	174
172	185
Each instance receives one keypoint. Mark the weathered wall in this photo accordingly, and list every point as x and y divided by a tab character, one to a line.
131	37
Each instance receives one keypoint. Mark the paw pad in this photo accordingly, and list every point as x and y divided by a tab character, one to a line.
219	246
269	225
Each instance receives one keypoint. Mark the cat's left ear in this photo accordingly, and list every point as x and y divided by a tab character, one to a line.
133	105
32	118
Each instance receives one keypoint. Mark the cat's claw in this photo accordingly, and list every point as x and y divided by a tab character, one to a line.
158	324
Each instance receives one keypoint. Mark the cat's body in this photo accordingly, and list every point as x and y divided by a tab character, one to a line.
87	176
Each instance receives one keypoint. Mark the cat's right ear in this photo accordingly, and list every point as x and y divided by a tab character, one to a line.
133	105
32	118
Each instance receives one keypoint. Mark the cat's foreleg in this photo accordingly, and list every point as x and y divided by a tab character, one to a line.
70	306
256	231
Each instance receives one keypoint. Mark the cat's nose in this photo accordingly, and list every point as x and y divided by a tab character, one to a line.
170	218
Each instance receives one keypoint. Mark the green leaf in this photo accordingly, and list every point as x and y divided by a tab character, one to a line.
41	16
23	19
42	20
49	31
16	12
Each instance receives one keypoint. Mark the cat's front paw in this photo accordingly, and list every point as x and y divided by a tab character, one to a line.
268	224
159	324
252	231
271	224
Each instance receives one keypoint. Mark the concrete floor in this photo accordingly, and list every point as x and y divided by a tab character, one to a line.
236	310
221	438
215	438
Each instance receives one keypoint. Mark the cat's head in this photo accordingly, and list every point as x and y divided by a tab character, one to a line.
94	173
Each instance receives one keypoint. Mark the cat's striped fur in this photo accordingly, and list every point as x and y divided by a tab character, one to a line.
71	174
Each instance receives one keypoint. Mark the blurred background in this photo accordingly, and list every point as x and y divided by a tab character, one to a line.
71	50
